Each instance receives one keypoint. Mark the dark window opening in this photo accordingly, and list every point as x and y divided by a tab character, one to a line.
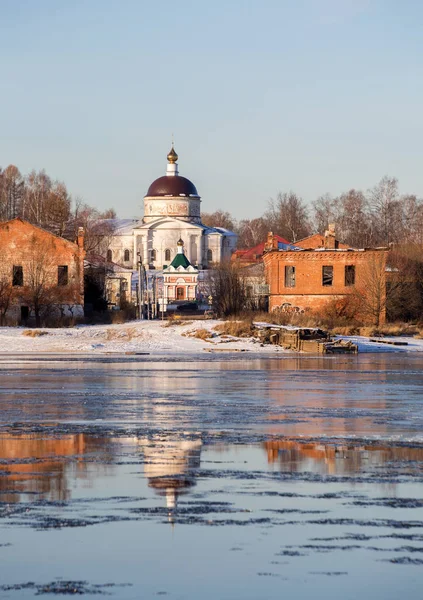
349	275
24	314
289	276
153	255
109	255
327	275
209	255
17	276
126	256
62	275
167	255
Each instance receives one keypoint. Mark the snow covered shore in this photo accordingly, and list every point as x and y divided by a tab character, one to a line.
156	338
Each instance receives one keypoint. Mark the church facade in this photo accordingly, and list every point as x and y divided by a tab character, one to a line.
171	212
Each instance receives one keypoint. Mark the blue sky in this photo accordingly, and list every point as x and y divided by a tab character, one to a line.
262	96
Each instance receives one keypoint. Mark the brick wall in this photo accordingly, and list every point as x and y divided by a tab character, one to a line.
40	253
309	291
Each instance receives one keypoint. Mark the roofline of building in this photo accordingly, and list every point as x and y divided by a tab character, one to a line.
4	223
320	250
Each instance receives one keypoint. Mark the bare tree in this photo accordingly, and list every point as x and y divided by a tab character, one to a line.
353	222
40	284
6	292
46	203
227	286
405	282
386	210
370	291
288	216
325	212
219	218
11	192
98	230
252	232
412	219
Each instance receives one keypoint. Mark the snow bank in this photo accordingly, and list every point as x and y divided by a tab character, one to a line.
155	338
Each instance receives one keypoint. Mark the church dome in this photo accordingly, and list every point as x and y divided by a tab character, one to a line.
172	186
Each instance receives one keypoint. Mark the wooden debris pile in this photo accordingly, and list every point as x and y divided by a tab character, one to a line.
303	339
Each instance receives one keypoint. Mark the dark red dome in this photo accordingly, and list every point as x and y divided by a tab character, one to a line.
170	185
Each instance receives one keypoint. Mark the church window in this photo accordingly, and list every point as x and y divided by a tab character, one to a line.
153	255
126	255
17	276
62	275
327	275
167	254
289	276
109	255
209	255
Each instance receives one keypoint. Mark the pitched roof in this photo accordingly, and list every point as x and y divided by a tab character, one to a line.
317	241
254	253
180	260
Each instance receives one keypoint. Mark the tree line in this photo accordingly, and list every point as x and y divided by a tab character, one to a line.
46	202
377	217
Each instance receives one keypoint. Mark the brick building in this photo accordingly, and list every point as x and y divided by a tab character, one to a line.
41	274
310	276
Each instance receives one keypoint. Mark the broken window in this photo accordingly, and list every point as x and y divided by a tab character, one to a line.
62	275
289	276
17	276
349	275
327	275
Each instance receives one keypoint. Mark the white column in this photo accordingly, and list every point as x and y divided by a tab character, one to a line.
135	258
200	250
145	257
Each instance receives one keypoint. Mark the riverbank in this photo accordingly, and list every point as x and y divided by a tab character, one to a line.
158	337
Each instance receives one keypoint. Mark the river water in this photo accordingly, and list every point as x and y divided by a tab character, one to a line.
143	476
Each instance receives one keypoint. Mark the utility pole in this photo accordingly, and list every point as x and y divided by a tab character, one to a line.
148	295
140	288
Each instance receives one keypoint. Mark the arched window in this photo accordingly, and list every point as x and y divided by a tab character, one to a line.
167	255
153	255
209	255
109	255
126	256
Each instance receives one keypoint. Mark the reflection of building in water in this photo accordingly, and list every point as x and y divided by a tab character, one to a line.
312	396
293	456
35	464
169	466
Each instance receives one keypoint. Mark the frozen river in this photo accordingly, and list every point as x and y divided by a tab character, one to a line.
143	476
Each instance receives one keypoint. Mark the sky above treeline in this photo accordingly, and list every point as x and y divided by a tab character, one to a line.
262	96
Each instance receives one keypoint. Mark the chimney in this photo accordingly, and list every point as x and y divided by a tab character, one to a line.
271	243
330	241
80	238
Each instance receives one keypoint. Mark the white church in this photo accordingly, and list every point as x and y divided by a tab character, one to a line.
171	213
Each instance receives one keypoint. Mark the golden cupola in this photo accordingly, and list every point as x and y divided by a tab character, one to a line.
172	157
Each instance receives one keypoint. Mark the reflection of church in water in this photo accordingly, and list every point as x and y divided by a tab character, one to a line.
170	465
171	212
